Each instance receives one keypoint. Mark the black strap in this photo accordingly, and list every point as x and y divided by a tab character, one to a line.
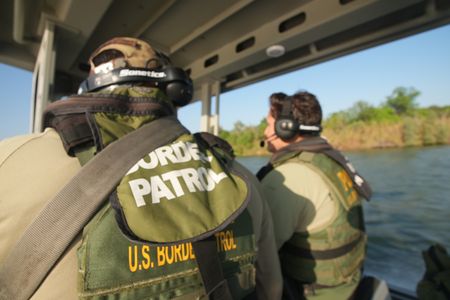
264	171
215	142
207	256
291	289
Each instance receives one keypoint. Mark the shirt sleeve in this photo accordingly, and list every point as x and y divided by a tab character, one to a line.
33	168
299	200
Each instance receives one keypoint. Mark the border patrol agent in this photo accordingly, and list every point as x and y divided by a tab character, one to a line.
185	221
315	197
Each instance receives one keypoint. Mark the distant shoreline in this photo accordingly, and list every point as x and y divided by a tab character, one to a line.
268	154
408	132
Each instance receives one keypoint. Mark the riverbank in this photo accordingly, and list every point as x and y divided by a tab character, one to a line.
407	132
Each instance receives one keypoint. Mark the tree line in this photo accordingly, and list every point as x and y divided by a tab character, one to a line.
396	122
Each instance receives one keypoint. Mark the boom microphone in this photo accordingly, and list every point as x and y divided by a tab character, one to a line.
262	143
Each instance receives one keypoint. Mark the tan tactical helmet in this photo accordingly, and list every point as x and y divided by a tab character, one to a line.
132	61
123	52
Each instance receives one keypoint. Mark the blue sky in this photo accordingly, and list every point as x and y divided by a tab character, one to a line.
421	61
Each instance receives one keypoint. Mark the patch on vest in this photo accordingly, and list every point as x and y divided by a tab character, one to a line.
350	194
179	192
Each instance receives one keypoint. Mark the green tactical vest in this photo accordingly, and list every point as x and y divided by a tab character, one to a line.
333	255
139	245
165	189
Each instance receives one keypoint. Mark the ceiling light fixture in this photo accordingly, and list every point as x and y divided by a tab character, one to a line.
275	51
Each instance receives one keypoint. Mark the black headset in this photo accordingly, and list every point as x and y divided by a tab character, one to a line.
286	126
173	81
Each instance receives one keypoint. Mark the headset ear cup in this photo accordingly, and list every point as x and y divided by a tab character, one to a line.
178	85
286	128
179	92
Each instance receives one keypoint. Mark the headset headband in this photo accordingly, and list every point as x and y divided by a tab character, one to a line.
286	112
122	75
174	81
286	108
309	128
286	126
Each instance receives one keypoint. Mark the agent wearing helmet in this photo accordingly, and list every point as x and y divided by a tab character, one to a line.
186	220
315	197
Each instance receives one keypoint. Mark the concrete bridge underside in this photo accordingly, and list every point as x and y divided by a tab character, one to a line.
223	45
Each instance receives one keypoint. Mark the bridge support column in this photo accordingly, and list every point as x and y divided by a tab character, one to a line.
216	117
210	122
43	77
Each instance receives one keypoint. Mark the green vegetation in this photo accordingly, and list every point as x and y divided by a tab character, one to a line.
245	139
397	122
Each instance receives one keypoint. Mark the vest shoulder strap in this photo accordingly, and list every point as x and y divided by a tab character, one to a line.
306	156
215	142
314	144
264	171
206	254
319	145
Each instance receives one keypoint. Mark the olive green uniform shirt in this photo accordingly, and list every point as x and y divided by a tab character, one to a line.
33	168
299	200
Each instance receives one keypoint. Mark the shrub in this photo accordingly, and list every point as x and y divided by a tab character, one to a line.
411	132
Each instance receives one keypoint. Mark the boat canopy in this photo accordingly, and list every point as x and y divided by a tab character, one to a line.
223	45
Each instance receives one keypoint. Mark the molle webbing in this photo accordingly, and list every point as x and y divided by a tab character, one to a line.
74	121
321	254
318	145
